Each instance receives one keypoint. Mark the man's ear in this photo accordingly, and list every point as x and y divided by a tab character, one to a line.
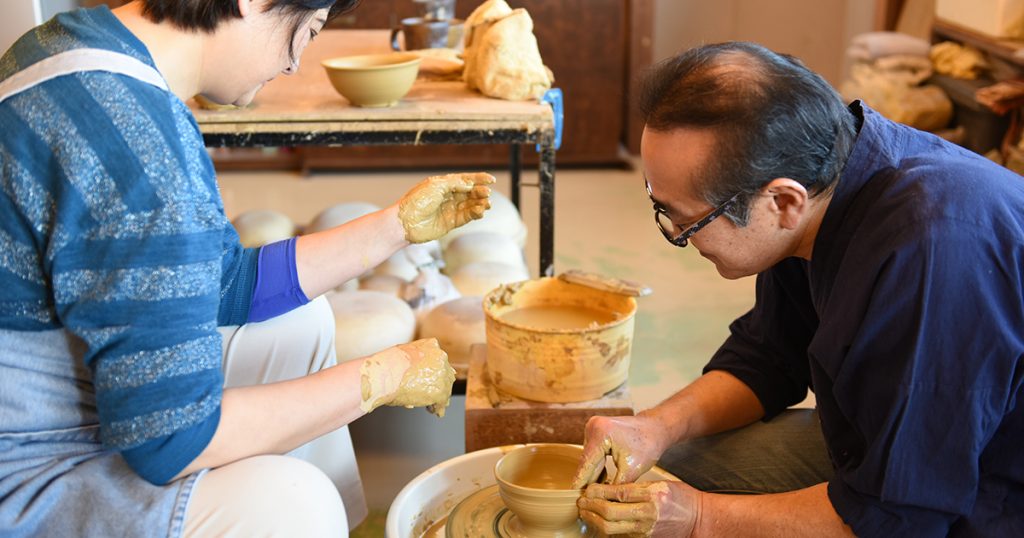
787	200
245	7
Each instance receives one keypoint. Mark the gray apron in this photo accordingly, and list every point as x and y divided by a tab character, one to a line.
56	479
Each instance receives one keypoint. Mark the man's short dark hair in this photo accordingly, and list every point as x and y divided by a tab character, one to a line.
771	116
205	15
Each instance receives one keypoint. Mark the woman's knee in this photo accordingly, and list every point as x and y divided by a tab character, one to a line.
291	345
266	495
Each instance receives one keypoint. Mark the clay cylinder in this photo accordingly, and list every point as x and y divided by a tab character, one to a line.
558	365
534	483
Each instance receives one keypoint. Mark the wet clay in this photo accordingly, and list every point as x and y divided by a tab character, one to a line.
501	53
558	317
533	482
437	530
410	375
439	204
428	381
545	471
484	515
380	376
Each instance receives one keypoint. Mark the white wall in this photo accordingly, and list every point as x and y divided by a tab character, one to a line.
16	18
53	7
816	31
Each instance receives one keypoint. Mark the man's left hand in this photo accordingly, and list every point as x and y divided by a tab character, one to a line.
656	509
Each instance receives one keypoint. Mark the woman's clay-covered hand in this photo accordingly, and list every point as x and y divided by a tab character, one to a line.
439	204
634	443
657	509
416	374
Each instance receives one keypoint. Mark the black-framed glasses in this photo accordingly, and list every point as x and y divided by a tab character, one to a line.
667	227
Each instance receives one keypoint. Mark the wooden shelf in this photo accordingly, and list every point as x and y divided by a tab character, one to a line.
255	158
1006	49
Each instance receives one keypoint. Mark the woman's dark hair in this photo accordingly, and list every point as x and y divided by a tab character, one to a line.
771	116
205	15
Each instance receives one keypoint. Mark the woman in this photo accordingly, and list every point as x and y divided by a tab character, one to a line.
123	279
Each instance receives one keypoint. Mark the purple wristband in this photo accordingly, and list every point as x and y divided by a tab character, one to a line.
277	287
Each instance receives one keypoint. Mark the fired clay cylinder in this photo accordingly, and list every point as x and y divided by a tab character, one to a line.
558	365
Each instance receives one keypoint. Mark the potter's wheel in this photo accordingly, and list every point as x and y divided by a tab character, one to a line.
421	508
484	515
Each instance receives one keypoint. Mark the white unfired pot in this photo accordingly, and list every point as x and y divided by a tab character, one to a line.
369	321
262	226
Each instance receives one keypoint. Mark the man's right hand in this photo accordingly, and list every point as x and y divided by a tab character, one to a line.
634	443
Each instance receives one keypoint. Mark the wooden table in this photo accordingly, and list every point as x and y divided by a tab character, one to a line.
303	109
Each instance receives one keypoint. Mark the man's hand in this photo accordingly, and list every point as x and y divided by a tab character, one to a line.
634	443
410	375
657	509
439	204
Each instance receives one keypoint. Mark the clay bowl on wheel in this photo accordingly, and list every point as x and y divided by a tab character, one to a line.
534	482
373	80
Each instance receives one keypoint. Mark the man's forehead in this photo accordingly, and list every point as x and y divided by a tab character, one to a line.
673	161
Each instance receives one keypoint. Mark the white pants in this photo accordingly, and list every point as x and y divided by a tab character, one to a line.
292	495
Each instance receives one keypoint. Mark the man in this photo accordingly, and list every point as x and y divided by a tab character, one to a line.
890	282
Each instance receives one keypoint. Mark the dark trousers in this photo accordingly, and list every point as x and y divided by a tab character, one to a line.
784	454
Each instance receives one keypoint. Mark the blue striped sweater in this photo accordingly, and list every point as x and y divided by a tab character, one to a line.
113	229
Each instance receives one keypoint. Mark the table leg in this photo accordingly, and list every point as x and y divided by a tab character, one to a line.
546	180
515	169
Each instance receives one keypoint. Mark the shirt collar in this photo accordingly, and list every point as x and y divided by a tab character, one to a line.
873	151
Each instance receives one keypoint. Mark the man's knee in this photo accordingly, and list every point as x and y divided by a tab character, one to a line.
266	495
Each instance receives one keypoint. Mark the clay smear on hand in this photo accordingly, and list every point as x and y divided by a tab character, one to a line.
410	375
381	376
632	509
439	204
429	379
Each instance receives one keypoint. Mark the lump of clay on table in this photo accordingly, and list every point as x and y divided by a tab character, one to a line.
502	56
476	25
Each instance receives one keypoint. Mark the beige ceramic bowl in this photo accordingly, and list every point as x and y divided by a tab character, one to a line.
534	483
373	80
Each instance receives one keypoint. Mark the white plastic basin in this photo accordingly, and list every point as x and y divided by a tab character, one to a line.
431	496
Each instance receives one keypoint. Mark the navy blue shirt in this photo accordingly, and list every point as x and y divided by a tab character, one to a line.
908	324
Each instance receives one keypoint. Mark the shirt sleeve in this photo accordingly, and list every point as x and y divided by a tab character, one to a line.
239	268
926	381
767	346
277	282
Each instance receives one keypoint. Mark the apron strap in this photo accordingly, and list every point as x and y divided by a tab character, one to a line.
77	61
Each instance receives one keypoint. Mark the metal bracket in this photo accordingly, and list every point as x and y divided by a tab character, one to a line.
555	98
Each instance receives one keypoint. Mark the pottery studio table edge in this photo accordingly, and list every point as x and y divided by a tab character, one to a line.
303	110
333	133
